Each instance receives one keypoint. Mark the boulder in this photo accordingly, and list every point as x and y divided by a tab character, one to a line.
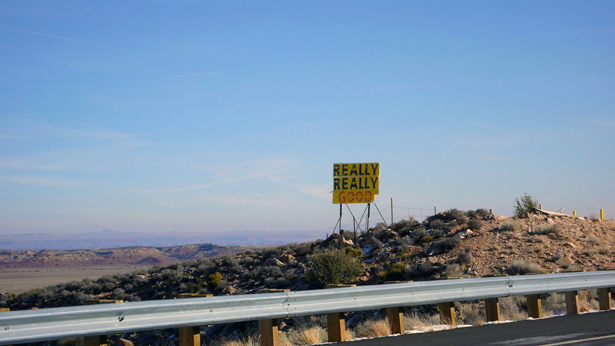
565	262
462	234
272	262
287	258
124	342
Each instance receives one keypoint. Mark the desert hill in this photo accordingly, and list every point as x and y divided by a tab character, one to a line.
450	244
136	255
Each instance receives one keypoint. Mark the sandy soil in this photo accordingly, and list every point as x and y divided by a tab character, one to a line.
20	280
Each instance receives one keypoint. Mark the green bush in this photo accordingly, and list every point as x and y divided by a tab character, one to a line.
214	280
426	239
396	271
332	267
525	206
445	245
478	213
352	251
475	224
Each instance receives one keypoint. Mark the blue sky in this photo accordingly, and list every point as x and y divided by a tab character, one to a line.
159	116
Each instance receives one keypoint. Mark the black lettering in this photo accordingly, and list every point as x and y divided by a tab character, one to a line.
374	168
353	170
362	170
336	184
374	182
344	170
353	184
336	170
344	183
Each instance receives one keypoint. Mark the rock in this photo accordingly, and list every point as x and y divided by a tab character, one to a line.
124	342
342	243
565	262
570	244
462	234
287	258
272	262
432	260
387	235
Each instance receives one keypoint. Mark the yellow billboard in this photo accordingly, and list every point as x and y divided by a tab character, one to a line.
355	182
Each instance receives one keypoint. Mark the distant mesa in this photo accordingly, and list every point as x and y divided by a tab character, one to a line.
150	261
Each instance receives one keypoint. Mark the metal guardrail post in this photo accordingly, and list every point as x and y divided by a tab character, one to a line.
269	328
336	323
604	299
98	340
572	303
534	306
190	336
492	309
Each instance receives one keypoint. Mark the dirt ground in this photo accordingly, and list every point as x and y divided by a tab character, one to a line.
20	280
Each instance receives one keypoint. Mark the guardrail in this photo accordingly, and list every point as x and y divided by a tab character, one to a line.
91	320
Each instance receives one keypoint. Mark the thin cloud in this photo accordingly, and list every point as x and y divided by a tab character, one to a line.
44	130
483	125
276	170
14	136
39	181
297	121
46	35
193	75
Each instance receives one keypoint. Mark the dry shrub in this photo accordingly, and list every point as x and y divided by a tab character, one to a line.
471	314
252	340
510	226
453	271
511	308
373	329
555	303
420	321
522	267
307	336
283	339
547	229
604	250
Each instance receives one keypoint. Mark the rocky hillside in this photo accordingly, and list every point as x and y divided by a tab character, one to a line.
446	245
137	255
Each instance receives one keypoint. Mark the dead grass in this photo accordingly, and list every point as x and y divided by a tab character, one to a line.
373	329
511	308
526	267
471	314
253	340
420	321
307	336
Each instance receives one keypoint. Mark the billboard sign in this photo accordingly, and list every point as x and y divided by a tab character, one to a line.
355	182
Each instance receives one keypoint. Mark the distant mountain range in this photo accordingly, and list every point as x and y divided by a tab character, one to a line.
112	239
